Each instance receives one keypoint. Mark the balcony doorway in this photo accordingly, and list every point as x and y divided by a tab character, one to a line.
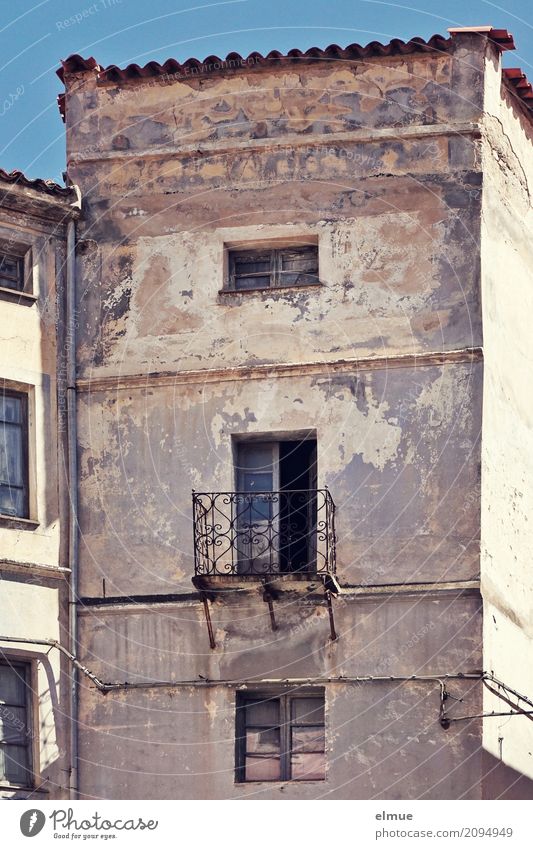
276	485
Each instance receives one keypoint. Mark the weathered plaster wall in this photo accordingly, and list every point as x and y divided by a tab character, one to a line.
396	215
28	361
507	454
259	102
398	449
33	606
33	591
383	740
382	168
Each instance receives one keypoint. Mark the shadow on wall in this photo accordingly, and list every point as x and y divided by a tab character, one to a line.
502	782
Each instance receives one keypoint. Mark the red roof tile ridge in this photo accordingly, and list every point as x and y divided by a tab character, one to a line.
41	185
519	82
77	64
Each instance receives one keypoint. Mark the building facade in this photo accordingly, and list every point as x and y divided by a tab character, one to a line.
301	556
34	677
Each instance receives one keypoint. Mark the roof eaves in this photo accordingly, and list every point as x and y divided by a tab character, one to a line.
212	64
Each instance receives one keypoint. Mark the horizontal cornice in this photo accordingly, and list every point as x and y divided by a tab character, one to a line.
278	370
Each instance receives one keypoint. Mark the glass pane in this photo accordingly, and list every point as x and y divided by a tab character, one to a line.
262	740
291	278
12	685
308	711
11	272
13	728
10	409
256	458
252	264
262	768
12	502
301	260
257	481
14	766
299	268
252	282
11	454
265	712
308	739
308	767
253	509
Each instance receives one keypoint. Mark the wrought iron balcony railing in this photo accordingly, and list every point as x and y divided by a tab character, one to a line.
264	533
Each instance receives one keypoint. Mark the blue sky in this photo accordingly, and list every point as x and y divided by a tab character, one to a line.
34	36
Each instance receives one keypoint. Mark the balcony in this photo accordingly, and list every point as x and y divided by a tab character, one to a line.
281	539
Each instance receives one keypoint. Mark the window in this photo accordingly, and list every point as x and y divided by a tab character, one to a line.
269	268
15	724
14	454
276	485
280	737
12	272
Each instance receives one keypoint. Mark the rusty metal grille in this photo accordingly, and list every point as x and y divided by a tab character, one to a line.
264	533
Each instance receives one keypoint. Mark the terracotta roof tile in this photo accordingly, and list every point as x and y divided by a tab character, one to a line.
520	84
76	63
46	186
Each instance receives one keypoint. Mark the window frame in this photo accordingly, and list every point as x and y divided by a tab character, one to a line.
21	253
23	397
273	253
286	725
29	672
19	277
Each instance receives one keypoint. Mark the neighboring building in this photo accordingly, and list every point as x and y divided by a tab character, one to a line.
34	680
292	298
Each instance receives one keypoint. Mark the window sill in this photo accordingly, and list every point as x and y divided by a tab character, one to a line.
22	788
271	289
277	783
23	298
18	523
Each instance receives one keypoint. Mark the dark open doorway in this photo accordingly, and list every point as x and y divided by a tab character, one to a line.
276	501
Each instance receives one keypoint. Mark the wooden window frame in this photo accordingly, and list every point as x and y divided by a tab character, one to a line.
29	673
273	277
23	398
24	293
17	278
286	725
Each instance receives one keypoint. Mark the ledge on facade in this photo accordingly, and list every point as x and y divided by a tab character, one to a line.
18	523
301	582
39	197
16	297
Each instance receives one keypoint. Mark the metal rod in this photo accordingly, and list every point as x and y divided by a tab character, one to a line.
490	677
488	715
72	461
273	622
56	645
298	682
209	623
333	633
507	701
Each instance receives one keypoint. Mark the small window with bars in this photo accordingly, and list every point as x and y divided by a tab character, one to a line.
16	734
280	737
271	268
12	272
14	454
